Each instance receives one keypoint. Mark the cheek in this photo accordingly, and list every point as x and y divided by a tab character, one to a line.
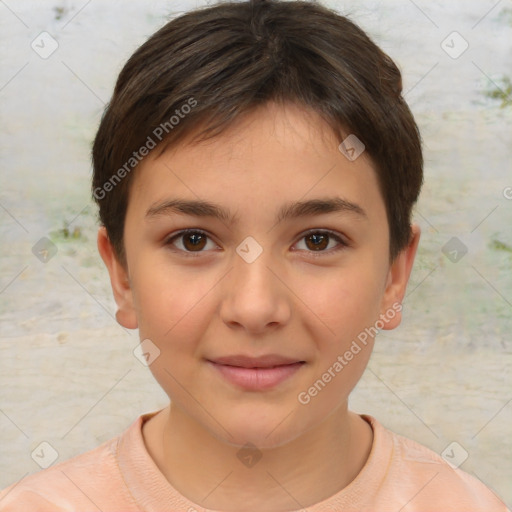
345	301
172	311
348	306
171	303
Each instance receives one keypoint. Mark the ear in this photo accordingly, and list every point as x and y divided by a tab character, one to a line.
119	281
398	277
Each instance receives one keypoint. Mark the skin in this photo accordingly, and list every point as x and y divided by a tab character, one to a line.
292	301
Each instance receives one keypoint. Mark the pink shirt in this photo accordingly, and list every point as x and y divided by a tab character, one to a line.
399	475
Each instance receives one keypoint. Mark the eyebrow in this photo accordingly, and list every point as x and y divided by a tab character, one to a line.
199	208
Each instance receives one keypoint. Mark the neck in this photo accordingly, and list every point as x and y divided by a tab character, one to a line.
298	474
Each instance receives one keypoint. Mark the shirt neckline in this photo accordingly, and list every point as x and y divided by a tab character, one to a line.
151	491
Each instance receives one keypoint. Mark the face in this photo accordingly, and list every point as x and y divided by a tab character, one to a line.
258	315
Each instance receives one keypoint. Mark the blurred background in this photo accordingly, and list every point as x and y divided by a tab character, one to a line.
68	374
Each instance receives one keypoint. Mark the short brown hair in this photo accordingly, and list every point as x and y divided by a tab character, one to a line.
211	65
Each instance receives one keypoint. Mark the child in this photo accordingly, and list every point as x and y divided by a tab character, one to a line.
255	173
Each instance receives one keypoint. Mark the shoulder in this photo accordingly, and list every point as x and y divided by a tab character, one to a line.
80	483
426	481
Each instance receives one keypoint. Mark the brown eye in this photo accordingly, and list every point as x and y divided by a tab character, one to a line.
192	241
318	242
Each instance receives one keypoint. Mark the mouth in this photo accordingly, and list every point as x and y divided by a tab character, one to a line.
256	373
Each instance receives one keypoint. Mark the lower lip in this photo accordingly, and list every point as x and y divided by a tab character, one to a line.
257	379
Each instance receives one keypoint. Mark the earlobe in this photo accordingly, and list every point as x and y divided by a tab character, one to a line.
398	278
119	281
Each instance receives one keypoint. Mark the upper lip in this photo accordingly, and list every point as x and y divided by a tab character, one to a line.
266	361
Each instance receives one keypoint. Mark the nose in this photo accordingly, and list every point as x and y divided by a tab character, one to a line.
255	295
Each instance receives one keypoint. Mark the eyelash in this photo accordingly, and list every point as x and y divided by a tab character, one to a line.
194	254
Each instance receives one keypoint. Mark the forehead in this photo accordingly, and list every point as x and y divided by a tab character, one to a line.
272	155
